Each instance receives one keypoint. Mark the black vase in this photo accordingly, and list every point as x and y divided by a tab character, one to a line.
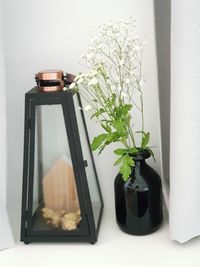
138	201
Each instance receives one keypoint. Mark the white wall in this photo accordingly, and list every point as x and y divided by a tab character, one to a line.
42	34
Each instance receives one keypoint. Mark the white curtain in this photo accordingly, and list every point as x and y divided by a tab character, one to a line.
185	120
6	238
177	24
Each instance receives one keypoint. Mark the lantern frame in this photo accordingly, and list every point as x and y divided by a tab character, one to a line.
87	232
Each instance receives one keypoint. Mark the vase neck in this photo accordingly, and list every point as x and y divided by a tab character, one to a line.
139	163
141	155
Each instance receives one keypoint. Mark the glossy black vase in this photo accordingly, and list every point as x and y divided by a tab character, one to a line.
138	201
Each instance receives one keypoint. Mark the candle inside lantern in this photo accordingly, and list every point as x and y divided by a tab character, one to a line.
61	204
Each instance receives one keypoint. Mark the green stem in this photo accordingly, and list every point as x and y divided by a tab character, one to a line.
142	110
131	135
125	144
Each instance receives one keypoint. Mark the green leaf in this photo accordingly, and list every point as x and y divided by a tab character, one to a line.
97	141
97	113
145	139
126	108
140	132
120	151
106	127
121	128
113	137
102	148
126	167
151	152
119	160
133	150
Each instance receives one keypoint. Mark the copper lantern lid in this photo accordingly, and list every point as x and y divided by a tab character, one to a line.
50	80
53	80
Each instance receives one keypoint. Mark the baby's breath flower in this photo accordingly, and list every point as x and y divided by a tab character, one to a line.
93	81
117	79
94	73
88	107
90	56
77	78
113	87
141	83
127	81
114	59
72	85
121	62
132	73
79	81
137	48
124	95
93	39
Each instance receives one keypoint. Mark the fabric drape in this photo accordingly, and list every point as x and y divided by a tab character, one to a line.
177	25
185	120
6	238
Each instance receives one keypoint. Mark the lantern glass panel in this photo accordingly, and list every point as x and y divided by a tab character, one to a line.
90	169
55	198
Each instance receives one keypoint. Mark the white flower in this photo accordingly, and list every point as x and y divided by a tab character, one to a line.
115	29
113	50
119	21
94	73
130	39
88	107
121	62
99	57
113	87
100	46
124	95
141	83
117	79
127	81
64	88
137	48
93	81
90	56
118	90
72	85
92	49
136	37
80	80
93	39
76	78
132	73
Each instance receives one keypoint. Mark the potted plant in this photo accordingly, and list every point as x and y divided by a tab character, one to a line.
113	90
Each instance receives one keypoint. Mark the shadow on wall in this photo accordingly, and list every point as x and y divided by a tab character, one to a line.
162	9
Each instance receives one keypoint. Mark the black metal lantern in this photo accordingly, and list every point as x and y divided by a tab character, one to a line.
61	198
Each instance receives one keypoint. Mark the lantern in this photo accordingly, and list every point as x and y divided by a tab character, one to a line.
61	197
